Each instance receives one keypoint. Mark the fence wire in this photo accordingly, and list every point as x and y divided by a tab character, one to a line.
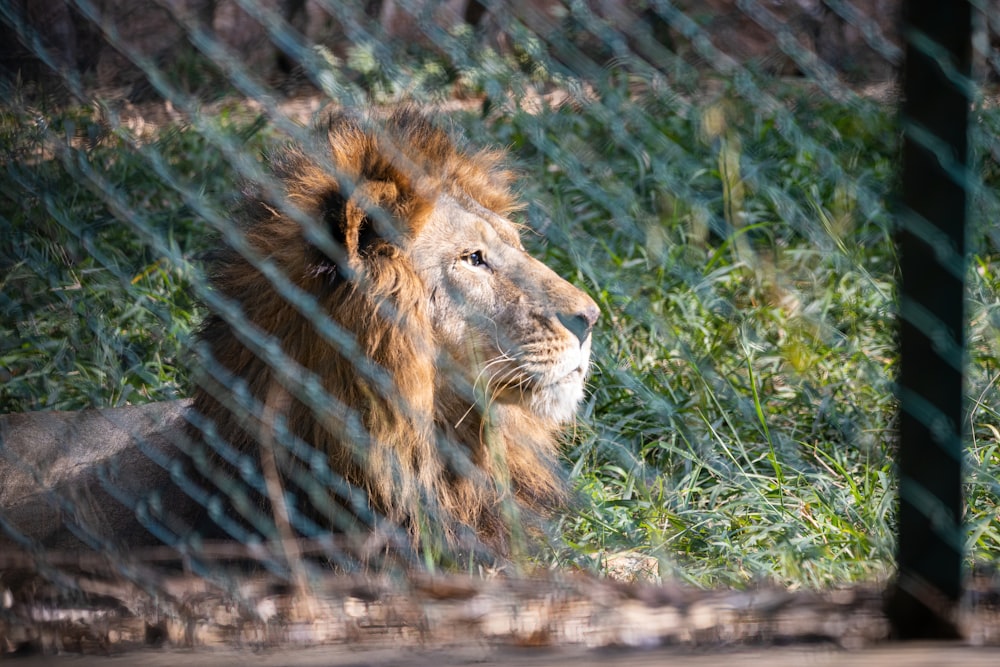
718	178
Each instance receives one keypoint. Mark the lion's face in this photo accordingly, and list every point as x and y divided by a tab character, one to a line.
520	332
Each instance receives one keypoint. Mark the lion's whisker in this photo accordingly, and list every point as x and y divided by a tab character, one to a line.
476	383
462	418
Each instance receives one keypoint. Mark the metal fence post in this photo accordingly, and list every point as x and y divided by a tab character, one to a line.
931	242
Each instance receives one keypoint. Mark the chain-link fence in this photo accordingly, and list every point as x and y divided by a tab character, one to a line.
279	245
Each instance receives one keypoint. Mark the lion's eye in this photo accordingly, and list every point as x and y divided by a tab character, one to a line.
475	258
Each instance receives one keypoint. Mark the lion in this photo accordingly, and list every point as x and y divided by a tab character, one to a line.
380	341
446	360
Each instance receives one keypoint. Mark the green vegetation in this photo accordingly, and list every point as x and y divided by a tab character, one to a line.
94	306
740	423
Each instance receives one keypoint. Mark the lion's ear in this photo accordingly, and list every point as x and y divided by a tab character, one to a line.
374	215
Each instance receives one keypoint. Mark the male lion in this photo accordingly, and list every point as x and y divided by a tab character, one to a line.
451	357
380	342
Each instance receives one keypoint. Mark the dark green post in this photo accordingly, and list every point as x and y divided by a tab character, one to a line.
931	240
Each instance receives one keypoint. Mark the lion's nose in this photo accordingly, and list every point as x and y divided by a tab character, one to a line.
581	322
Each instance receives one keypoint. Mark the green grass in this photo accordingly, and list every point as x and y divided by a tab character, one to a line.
740	423
739	426
91	314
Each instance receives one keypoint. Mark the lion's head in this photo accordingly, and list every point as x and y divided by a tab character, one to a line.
450	356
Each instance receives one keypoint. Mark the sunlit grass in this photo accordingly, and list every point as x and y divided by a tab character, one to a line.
741	424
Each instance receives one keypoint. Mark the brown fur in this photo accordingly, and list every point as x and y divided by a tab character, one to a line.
415	442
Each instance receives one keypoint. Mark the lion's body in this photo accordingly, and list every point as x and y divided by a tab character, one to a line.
450	359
